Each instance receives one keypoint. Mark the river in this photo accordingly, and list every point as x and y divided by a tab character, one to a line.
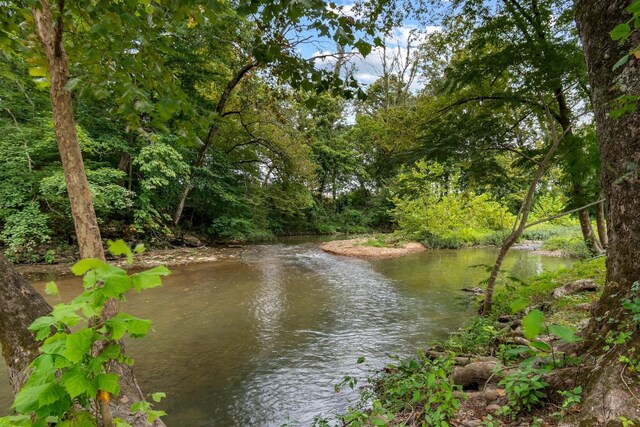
261	339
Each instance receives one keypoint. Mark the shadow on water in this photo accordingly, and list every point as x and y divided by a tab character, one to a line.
261	339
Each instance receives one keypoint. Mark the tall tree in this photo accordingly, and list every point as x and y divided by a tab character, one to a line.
50	32
606	398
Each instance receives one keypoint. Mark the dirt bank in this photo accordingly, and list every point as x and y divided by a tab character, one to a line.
151	258
358	248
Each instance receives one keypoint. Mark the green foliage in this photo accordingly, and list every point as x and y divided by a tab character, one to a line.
475	338
24	230
524	389
570	245
78	345
430	207
412	383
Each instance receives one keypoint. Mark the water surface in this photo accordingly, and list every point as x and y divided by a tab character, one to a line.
261	339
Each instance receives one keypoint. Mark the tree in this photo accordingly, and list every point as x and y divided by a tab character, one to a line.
269	41
512	57
605	397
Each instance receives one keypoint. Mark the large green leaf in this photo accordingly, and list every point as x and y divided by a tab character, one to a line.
565	334
108	383
78	344
76	383
533	324
150	278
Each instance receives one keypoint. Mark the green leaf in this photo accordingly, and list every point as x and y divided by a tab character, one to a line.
565	334
157	397
26	400
621	31
119	247
541	346
140	248
75	382
634	7
621	62
519	305
71	84
532	324
116	286
112	351
108	383
78	344
138	328
55	344
51	289
363	47
42	327
150	278
83	419
117	326
84	265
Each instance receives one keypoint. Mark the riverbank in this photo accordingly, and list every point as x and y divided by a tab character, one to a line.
371	247
150	258
520	366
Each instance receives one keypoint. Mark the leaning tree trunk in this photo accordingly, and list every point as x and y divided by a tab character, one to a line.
608	395
523	216
213	130
588	235
20	305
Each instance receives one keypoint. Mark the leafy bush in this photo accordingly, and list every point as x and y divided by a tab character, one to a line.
524	389
244	229
25	230
431	207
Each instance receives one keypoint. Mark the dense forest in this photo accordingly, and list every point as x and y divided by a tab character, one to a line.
450	123
229	132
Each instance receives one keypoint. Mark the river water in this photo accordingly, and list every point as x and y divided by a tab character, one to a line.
261	339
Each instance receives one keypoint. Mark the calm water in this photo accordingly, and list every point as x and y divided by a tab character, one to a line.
261	339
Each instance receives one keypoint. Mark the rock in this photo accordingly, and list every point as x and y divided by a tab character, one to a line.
585	306
582	285
491	394
493	408
471	423
191	241
506	318
583	324
474	374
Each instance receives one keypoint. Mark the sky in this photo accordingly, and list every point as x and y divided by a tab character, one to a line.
369	69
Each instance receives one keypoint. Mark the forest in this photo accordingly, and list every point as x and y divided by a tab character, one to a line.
456	124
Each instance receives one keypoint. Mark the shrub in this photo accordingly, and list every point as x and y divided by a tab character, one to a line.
25	230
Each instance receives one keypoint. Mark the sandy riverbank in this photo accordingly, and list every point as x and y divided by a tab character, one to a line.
358	248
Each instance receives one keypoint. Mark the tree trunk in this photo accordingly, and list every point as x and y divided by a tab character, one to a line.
601	222
213	129
523	215
577	155
606	398
84	216
20	305
588	235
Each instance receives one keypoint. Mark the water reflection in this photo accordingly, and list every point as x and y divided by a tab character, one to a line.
261	340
